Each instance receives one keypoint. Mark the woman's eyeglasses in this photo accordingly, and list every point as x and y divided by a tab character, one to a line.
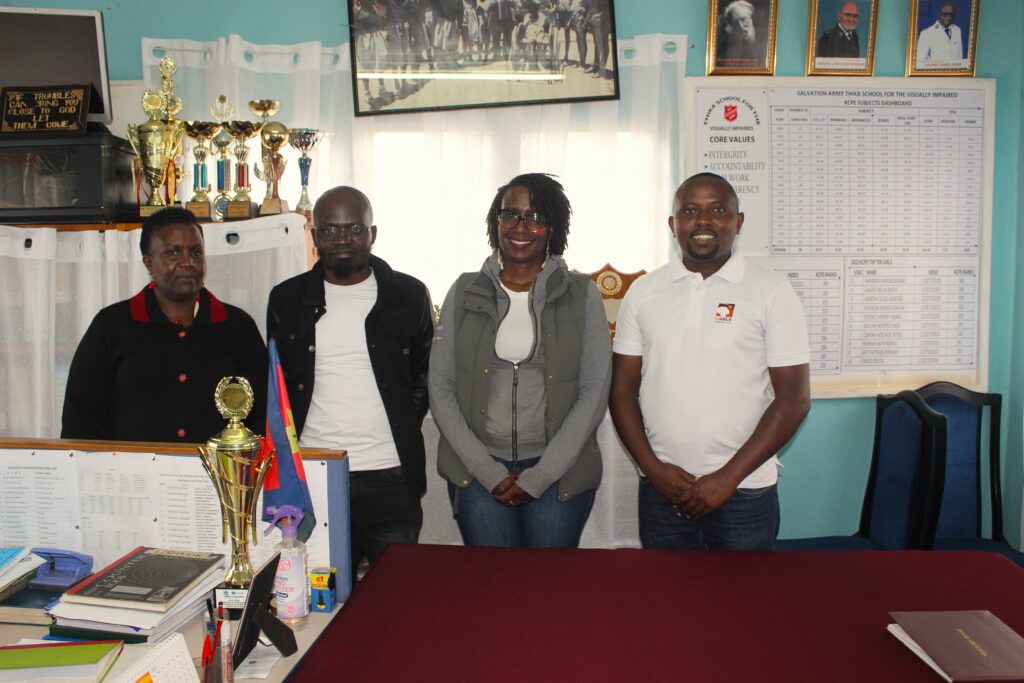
534	221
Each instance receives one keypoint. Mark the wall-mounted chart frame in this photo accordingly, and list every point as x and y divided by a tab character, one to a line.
873	195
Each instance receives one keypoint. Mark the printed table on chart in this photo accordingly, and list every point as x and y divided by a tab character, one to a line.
875	181
906	312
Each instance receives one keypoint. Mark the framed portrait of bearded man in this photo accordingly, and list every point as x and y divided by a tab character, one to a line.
426	55
741	37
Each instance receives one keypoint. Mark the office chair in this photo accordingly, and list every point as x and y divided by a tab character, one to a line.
960	517
904	491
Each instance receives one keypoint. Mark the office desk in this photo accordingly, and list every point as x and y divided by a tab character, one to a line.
470	614
305	634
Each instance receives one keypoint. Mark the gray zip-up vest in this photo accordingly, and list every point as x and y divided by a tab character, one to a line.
562	326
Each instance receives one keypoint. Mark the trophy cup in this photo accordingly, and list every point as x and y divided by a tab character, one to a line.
273	136
157	142
222	111
237	464
304	140
201	132
241	206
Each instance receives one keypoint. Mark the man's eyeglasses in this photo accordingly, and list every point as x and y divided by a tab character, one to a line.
535	222
330	232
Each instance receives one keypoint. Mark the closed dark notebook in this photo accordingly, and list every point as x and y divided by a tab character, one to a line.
970	645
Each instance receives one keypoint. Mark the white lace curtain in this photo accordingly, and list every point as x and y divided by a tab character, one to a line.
431	176
53	283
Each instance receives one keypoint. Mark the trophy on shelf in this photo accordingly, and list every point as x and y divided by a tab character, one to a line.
304	140
201	132
241	206
157	142
273	136
222	112
237	463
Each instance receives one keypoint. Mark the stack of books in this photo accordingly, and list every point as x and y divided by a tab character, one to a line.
144	596
18	604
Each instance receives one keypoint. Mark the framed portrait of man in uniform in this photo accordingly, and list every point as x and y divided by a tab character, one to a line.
943	38
741	37
426	55
841	37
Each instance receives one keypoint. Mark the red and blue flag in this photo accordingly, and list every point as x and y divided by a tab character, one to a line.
285	483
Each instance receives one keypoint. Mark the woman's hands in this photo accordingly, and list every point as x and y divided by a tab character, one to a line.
508	492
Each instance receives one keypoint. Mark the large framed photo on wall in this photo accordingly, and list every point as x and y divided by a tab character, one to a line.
424	55
841	37
741	37
943	37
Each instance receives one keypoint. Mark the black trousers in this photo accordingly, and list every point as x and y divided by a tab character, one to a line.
382	511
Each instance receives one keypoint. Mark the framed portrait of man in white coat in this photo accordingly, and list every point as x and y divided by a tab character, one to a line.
943	38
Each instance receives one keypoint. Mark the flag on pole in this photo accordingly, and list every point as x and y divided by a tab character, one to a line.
285	483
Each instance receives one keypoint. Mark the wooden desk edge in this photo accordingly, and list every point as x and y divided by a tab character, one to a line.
141	447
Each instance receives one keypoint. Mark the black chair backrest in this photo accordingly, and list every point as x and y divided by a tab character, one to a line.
960	514
901	505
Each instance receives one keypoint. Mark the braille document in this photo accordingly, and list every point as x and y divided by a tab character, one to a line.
970	645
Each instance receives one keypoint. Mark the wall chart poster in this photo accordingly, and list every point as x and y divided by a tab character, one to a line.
872	199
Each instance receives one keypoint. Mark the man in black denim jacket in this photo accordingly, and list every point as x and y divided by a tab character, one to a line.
359	387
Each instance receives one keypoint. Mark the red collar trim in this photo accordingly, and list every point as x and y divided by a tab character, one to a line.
140	310
218	313
140	313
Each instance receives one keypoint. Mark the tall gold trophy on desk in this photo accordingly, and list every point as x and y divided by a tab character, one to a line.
157	142
273	136
237	464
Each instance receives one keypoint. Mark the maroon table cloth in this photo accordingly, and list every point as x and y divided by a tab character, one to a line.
450	613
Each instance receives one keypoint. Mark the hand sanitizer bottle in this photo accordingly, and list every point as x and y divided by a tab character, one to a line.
291	585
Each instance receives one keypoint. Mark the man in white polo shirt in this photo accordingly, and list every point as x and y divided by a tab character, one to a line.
710	379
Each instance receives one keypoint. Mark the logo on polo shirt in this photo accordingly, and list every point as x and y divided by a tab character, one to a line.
723	313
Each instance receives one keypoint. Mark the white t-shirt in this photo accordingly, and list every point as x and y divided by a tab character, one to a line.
706	347
346	410
514	339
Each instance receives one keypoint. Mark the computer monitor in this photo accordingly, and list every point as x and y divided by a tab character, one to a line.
56	47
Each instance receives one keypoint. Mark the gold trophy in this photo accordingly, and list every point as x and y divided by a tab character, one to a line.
274	136
201	132
237	464
241	206
222	112
157	142
304	140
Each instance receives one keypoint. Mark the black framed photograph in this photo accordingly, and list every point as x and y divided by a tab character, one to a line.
427	55
841	37
741	37
943	38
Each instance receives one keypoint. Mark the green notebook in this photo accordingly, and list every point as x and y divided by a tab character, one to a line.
67	661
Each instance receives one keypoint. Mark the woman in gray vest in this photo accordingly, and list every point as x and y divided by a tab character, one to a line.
519	375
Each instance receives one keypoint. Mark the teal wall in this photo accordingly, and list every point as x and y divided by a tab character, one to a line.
826	465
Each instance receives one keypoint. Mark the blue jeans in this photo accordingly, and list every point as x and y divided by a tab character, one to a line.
749	520
544	523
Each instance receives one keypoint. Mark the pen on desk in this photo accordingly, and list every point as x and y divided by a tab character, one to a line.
216	632
207	651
